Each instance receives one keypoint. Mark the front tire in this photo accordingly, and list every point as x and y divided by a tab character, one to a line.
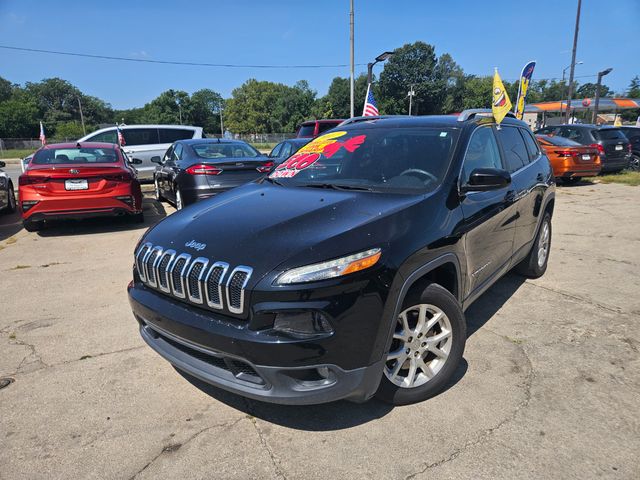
535	264
571	180
427	346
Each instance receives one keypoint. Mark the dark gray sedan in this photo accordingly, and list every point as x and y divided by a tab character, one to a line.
193	170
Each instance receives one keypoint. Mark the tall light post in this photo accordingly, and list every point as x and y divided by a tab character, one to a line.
573	61
84	130
564	85
351	78
380	58
411	93
594	117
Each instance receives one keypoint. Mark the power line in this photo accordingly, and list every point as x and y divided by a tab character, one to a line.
167	62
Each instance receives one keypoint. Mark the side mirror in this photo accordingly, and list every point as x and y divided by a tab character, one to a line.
156	159
136	161
2	164
485	179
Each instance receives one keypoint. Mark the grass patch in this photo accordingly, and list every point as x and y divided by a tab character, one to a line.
16	152
264	146
626	178
21	267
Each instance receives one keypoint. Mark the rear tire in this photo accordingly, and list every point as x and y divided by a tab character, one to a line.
535	263
426	348
634	164
32	226
11	197
137	217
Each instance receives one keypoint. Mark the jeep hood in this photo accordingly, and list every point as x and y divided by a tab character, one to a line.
265	226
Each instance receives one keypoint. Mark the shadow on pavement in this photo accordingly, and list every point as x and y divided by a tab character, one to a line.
153	212
10	224
491	301
324	417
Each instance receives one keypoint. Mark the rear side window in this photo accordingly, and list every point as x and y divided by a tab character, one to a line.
574	134
323	127
482	152
177	151
532	145
609	134
106	137
170	135
140	136
307	130
514	148
286	150
276	151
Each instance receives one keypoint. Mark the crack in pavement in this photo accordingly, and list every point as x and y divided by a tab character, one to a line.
573	296
175	447
275	461
526	385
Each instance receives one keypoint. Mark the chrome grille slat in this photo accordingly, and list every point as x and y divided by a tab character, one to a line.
195	276
213	284
235	288
195	280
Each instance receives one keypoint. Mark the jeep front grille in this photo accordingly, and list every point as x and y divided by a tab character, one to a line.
195	280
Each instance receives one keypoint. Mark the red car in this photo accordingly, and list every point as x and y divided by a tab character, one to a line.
313	128
74	180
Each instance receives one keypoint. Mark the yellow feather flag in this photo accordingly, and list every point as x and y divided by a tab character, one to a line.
501	103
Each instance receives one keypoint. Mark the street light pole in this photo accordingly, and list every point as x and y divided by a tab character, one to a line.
594	116
84	130
351	80
573	61
410	95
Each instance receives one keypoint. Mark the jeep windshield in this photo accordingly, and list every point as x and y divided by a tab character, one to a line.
394	160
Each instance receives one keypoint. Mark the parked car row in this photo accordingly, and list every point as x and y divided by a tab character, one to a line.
614	149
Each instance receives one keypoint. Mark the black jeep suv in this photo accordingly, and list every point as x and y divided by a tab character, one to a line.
345	273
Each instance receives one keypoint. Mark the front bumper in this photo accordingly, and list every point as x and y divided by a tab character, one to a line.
225	352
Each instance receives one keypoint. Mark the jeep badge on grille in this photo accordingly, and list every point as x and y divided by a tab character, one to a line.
196	245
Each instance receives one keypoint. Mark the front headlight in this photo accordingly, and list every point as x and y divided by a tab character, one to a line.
331	269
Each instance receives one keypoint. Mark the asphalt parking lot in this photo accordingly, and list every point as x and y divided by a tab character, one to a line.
550	385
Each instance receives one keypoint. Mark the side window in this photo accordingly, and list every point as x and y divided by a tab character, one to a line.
140	136
276	151
170	135
482	152
106	137
168	155
514	148
286	150
323	127
177	152
532	145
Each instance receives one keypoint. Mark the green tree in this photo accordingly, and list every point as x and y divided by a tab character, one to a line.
412	64
588	90
337	102
6	89
634	88
205	110
70	130
18	118
169	108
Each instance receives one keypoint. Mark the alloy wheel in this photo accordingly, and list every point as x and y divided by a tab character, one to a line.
12	199
543	244
635	163
421	345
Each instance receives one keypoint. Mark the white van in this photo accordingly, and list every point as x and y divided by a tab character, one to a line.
145	141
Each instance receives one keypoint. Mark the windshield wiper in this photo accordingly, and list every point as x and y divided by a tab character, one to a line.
337	186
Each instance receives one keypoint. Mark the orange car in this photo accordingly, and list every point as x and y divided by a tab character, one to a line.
570	160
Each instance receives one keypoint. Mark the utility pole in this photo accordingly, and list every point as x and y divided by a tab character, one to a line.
221	123
352	80
573	62
180	112
410	95
84	130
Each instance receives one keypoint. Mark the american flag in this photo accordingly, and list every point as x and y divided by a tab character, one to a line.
370	108
43	138
121	141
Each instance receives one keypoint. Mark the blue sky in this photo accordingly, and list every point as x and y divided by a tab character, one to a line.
479	35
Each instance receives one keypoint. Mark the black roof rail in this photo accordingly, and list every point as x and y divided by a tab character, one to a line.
366	119
485	112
